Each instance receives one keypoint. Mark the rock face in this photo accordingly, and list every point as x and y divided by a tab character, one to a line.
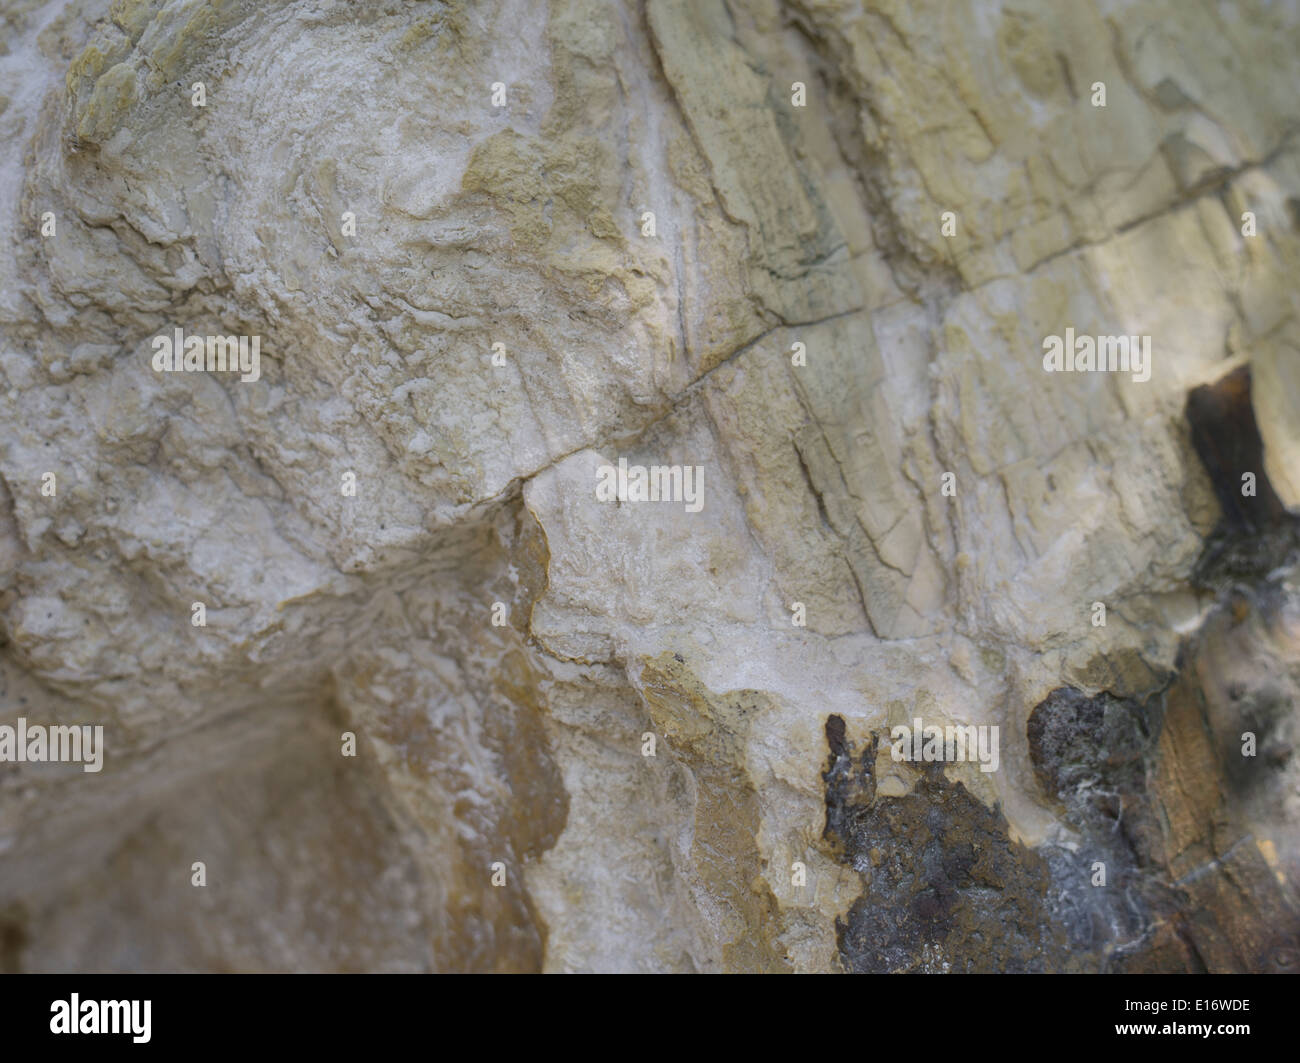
809	253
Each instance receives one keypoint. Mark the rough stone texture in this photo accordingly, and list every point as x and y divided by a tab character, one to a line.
958	896
774	225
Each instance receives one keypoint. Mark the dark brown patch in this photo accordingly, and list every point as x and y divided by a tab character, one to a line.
1228	442
1256	534
13	940
944	888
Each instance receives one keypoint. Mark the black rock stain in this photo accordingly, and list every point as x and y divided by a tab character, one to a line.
944	888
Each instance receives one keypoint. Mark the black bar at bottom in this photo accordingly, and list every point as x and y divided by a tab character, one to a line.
341	1013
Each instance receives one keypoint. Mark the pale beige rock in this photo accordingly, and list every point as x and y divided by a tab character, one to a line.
522	225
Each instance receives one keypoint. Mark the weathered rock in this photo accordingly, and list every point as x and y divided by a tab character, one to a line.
437	219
